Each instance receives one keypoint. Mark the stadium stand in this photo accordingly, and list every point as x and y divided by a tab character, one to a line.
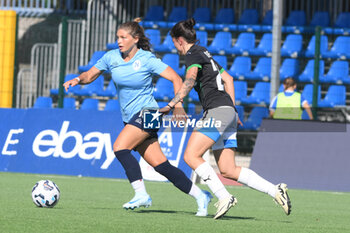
259	95
177	14
193	96
308	73
264	47
340	49
89	104
173	61
154	15
240	67
262	70
241	90
109	91
248	18
94	58
335	96
310	50
295	22
224	20
336	73
202	15
69	103
341	25
245	42
90	89
255	117
292	46
222	60
167	46
163	90
202	36
289	68
221	41
43	102
112	105
308	91
154	37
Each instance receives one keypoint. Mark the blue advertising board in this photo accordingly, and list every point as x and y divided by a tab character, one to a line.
74	142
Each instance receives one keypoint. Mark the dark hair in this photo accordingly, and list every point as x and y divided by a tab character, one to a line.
136	30
288	82
185	29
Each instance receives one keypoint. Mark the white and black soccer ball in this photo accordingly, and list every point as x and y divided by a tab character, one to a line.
45	193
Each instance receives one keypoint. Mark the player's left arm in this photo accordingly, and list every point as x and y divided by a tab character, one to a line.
187	85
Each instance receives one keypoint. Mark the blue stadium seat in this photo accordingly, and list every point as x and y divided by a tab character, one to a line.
71	89
91	88
240	111
222	60
193	96
289	68
259	95
336	73
244	43
177	14
264	48
266	24
154	15
94	58
111	46
202	36
281	88
154	37
255	118
248	18
262	70
110	91
292	46
202	15
340	49
224	20
320	18
163	90
43	102
295	22
162	104
308	91
89	104
221	41
167	46
68	103
336	96
240	67
173	61
341	25
112	105
241	90
310	50
308	73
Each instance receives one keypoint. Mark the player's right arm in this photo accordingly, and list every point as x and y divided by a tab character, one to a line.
84	78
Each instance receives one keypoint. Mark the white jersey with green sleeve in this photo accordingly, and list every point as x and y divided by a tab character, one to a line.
133	79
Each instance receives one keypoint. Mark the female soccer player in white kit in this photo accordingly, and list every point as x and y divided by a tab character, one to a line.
216	93
131	67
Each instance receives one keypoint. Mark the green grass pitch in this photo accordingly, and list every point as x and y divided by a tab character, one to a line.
94	205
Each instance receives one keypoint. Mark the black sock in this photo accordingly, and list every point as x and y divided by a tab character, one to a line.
175	176
130	165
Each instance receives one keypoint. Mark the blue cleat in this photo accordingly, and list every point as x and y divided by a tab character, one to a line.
140	199
203	202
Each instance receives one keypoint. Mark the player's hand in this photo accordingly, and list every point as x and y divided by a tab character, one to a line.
165	110
179	114
72	83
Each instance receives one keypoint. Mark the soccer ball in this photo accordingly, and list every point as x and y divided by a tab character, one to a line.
45	193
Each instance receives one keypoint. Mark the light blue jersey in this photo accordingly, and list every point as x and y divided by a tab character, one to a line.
133	79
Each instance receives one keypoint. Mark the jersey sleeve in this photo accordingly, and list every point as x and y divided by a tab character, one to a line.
156	65
194	60
103	62
220	68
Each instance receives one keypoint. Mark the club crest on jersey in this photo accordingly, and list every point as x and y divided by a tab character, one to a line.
136	65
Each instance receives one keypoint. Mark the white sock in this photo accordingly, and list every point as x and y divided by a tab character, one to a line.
207	173
253	180
139	186
195	191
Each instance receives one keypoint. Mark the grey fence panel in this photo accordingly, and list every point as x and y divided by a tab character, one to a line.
24	97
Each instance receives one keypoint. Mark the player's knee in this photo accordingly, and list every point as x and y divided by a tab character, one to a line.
229	173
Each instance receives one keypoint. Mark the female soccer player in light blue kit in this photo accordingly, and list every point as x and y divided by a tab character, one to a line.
131	67
216	93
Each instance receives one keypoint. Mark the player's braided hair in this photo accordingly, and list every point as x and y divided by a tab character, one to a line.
185	29
136	30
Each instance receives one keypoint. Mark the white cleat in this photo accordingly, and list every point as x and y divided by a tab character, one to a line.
203	202
282	198
140	199
224	205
